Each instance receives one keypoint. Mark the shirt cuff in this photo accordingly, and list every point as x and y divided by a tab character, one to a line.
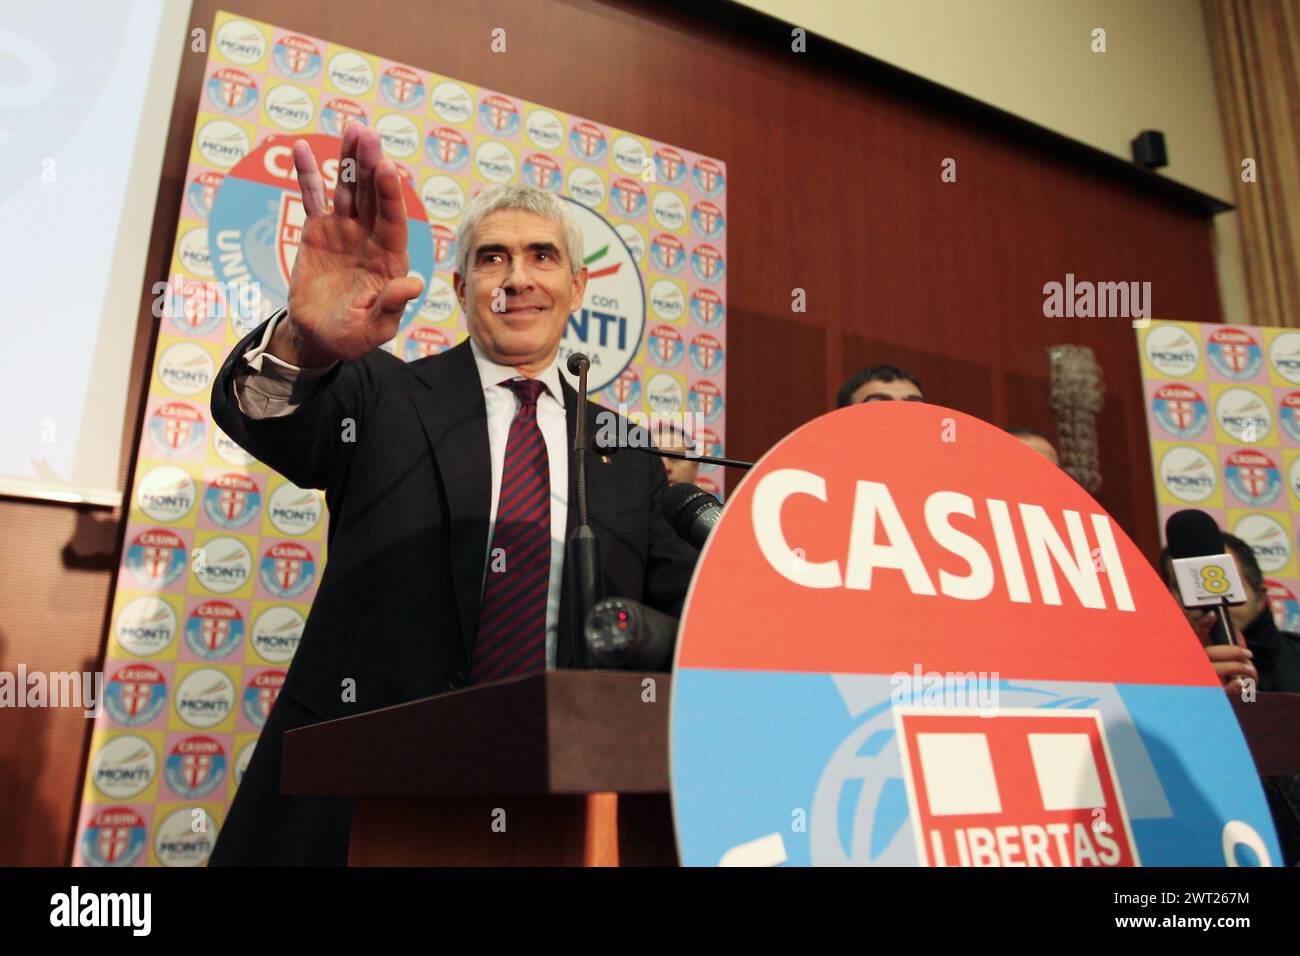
269	387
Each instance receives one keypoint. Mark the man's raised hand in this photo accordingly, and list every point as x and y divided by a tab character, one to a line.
349	285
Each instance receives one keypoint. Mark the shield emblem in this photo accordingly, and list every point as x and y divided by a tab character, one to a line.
112	841
1181	413
232	93
288	232
448	150
588	142
156	561
500	116
232	502
667	347
621	388
177	431
401	89
1235	356
134	697
287	572
196	768
1255	480
214	633
266	698
441	246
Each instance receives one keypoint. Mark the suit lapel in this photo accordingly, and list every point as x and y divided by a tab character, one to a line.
450	403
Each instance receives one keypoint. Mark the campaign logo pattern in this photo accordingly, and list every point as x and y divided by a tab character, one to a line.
1223	416
223	556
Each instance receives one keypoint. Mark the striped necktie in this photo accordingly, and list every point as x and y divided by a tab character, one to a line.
511	637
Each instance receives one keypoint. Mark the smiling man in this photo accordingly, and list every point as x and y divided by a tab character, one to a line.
447	478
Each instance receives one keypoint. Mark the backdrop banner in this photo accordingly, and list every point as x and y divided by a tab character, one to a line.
1223	415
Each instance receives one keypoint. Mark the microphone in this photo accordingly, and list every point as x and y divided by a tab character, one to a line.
623	634
1193	536
582	545
691	511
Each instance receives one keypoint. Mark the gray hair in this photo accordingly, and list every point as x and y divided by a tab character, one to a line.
517	196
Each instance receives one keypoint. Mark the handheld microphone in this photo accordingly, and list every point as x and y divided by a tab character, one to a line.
582	545
691	511
1194	535
623	634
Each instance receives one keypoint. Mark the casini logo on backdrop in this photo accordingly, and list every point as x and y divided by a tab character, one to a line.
257	220
611	322
1180	410
1235	354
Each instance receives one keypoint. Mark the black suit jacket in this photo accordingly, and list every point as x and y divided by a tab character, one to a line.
397	606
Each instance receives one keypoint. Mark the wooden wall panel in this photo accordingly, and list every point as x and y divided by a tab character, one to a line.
834	189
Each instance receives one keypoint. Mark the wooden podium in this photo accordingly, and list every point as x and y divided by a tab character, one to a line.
565	768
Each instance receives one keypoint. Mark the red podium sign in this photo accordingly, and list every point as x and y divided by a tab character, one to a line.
912	640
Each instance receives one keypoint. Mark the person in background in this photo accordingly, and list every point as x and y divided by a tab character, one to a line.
880	383
680	471
1263	653
1037	442
1269	656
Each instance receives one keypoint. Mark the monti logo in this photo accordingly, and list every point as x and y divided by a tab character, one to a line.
103	909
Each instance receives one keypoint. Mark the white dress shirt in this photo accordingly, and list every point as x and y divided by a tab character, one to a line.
271	388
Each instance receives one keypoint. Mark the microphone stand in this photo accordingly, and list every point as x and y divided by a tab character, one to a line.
582	544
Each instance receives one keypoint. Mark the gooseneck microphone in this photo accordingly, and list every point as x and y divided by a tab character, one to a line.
679	455
1194	534
584	550
691	511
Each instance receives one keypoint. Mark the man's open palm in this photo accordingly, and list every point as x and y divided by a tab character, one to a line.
350	285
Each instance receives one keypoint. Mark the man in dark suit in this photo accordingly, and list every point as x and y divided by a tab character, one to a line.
447	478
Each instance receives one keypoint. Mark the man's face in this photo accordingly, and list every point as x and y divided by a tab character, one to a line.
900	390
520	289
1240	614
1041	445
679	471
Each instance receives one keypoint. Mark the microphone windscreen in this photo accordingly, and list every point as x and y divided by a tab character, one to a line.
681	504
577	361
1191	534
